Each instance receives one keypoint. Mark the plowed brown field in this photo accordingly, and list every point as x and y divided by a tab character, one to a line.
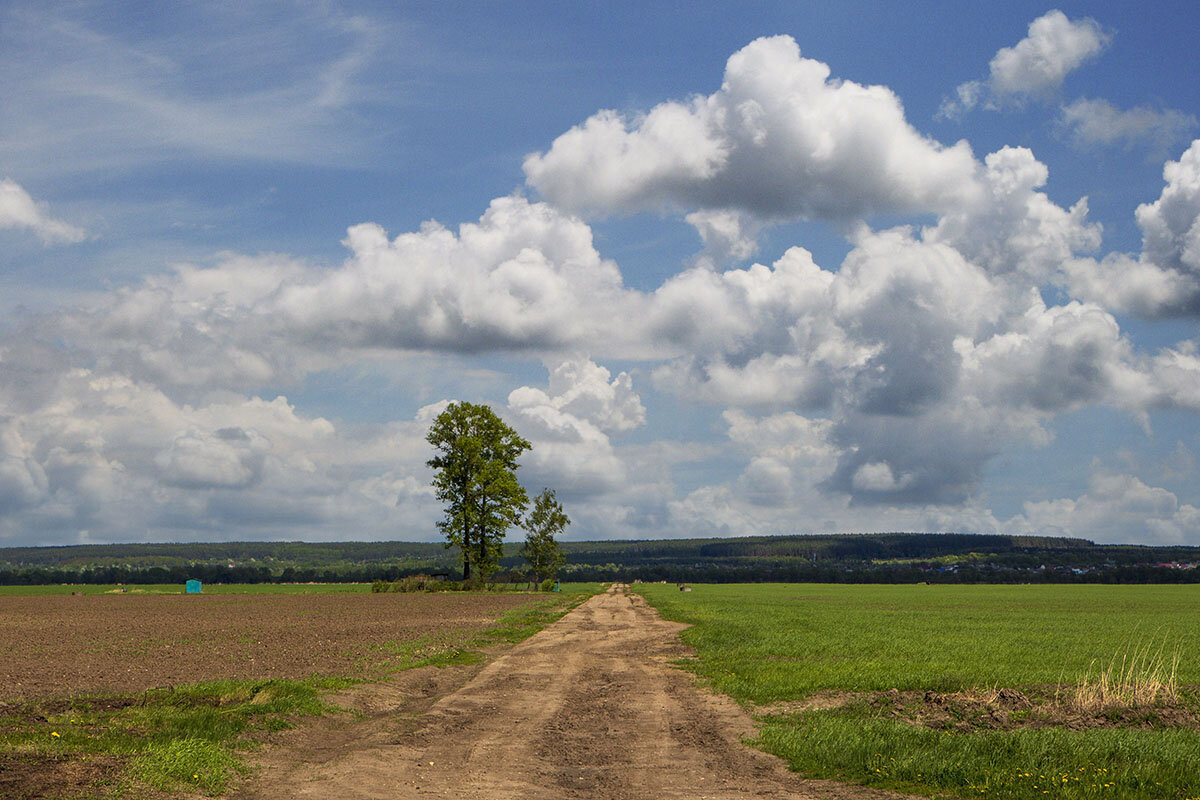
63	645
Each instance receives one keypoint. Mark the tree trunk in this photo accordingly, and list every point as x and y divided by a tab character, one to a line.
482	552
466	554
482	536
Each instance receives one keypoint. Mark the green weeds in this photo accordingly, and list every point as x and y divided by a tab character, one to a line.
521	623
183	737
464	647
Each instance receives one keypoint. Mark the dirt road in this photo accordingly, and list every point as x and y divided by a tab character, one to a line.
588	708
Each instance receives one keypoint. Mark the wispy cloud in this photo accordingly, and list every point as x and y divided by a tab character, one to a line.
18	210
1099	122
219	82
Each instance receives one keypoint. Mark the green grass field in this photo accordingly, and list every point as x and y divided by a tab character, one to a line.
772	644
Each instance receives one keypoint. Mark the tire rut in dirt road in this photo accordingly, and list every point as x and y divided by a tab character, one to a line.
587	708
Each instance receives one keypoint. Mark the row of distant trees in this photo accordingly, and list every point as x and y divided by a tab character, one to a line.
208	573
797	571
475	475
784	571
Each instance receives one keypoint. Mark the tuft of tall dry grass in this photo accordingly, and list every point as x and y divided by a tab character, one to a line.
985	695
1143	677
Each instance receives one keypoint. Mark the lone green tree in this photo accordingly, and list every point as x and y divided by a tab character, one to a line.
545	522
476	478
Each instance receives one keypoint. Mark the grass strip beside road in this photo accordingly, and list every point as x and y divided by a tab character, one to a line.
193	738
771	646
466	647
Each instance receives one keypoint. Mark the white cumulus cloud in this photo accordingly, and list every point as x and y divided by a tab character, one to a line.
1036	66
1165	279
525	276
1054	47
569	425
120	460
1011	227
229	458
22	480
1119	508
780	139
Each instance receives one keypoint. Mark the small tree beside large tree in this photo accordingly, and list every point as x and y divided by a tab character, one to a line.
475	477
546	521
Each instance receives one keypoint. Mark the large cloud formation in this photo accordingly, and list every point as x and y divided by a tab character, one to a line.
525	276
781	139
871	393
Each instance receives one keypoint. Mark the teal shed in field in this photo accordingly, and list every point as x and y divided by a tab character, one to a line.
193	587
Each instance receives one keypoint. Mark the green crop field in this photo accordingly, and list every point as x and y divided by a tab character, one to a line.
818	663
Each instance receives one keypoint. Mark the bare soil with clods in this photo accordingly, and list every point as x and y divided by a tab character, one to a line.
60	645
587	708
1038	707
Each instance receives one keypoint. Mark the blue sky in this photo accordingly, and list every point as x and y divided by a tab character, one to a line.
734	270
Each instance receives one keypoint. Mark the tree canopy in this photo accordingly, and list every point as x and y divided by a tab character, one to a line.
545	522
475	477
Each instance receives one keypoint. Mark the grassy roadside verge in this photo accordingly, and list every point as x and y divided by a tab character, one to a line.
883	685
467	647
193	738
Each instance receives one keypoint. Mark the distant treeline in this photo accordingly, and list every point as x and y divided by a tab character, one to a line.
699	573
206	573
826	558
317	553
